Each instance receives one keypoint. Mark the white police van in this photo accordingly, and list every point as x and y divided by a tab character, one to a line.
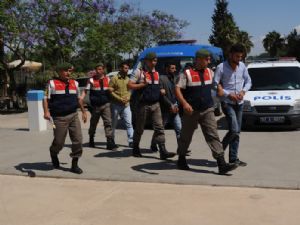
274	99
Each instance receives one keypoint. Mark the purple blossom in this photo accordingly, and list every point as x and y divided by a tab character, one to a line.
30	40
54	1
61	42
111	10
125	8
66	31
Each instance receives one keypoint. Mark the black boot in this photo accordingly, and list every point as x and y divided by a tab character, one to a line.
75	168
164	154
182	164
136	152
225	167
153	148
92	143
111	145
55	161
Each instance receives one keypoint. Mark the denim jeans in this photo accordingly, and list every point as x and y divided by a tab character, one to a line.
176	122
125	113
233	115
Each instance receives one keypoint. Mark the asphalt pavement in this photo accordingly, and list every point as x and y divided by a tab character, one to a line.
272	157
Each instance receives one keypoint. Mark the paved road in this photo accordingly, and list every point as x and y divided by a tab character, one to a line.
273	158
26	201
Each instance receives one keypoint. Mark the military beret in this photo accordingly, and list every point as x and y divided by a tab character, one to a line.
64	66
100	64
150	55
202	53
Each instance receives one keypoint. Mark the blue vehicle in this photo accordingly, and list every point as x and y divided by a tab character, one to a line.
182	54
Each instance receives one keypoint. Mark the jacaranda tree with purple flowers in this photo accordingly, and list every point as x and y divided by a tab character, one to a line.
80	31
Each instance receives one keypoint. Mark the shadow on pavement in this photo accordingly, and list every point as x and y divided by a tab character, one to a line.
127	152
171	165
42	166
22	129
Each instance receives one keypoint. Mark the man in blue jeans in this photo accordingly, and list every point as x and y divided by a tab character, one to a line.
120	101
235	80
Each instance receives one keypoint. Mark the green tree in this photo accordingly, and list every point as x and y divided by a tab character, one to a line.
293	44
244	38
273	43
225	32
16	40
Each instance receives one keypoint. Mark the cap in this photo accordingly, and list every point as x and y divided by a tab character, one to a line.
202	53
64	66
100	64
150	55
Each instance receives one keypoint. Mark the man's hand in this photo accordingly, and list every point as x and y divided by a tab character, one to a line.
84	117
241	95
174	109
233	97
47	115
220	91
188	109
125	100
162	91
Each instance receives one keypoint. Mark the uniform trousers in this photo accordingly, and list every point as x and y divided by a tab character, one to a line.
208	124
63	124
104	112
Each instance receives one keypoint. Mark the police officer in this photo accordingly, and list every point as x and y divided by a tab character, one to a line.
99	93
193	91
146	82
60	105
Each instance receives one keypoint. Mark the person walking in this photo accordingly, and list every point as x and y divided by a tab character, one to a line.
99	94
234	78
146	82
193	91
120	101
168	102
60	107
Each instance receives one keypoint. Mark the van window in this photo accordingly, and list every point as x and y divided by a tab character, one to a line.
275	78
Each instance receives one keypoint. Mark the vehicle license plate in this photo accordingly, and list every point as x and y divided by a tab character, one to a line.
272	119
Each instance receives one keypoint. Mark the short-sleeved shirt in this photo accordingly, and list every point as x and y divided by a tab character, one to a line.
138	76
183	80
54	87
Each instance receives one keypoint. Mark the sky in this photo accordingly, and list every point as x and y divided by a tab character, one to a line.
257	17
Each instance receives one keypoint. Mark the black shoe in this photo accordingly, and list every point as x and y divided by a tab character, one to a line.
153	148
75	168
181	163
238	162
55	161
163	153
225	167
136	152
111	145
91	142
130	145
